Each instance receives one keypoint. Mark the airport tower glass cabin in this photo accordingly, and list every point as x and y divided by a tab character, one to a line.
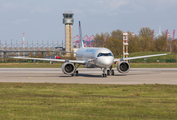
68	21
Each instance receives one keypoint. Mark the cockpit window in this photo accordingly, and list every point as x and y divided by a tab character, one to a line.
104	54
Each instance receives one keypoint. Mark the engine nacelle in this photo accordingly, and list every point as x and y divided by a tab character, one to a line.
68	68
123	67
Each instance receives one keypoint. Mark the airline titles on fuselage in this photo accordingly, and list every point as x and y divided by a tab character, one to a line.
90	50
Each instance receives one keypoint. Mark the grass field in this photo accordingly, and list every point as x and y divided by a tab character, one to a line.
80	102
58	65
153	65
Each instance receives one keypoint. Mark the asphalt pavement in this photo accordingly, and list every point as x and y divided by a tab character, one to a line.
90	76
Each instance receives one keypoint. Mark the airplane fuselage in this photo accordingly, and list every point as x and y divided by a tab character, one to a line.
95	57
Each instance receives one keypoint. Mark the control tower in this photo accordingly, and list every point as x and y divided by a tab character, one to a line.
68	21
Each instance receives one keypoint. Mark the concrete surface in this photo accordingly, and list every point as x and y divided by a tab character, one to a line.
90	76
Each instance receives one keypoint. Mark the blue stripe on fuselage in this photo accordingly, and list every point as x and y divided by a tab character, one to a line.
90	50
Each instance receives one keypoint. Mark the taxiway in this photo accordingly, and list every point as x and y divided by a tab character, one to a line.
89	76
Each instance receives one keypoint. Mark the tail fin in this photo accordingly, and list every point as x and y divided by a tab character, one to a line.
80	32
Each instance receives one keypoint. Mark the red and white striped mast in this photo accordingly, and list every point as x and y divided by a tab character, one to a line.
125	45
173	34
23	40
169	36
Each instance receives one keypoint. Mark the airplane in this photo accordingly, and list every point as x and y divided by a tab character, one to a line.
94	57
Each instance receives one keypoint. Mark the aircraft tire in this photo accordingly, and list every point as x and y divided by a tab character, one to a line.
104	75
77	73
112	72
108	72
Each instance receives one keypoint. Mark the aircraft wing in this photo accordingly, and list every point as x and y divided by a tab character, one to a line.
138	57
56	60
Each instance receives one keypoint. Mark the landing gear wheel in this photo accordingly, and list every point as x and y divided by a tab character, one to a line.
77	73
108	72
112	72
104	75
72	75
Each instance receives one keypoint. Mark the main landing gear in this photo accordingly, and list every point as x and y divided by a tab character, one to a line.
110	71
76	72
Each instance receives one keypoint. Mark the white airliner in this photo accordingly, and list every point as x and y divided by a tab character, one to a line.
94	57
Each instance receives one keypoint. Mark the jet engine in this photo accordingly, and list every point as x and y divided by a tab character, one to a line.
68	68
123	67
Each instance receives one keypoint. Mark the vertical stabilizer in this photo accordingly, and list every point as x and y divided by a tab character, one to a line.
80	32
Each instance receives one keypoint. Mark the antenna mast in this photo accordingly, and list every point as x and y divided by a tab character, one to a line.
23	40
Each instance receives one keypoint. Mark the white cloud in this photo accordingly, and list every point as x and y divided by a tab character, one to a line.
8	7
78	11
41	10
20	21
116	4
109	7
163	5
17	6
156	6
115	7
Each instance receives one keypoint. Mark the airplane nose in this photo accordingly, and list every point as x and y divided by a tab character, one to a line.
105	61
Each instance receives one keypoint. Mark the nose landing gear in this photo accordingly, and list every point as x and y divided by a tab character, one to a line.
109	72
104	75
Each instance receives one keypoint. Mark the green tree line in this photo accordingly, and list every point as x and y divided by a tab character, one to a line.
143	42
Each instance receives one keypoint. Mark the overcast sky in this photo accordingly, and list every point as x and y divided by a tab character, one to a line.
42	19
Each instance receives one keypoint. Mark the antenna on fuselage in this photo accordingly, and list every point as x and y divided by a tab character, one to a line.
80	32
